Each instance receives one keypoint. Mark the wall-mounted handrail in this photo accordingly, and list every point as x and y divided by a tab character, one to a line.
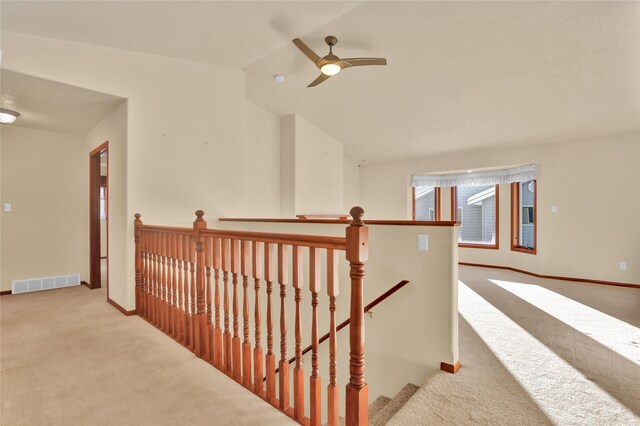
344	323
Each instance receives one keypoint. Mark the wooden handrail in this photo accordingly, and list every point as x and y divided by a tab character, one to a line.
322	216
346	322
166	228
342	221
320	241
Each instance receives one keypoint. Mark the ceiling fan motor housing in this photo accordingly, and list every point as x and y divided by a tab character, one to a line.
331	40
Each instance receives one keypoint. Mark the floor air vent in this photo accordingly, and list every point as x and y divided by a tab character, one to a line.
45	283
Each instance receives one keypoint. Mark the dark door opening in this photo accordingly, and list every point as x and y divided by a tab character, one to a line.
98	217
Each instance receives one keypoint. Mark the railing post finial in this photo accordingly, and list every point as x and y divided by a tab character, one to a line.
357	213
199	215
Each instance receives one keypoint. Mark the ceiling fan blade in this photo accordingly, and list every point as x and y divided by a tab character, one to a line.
358	62
320	79
307	50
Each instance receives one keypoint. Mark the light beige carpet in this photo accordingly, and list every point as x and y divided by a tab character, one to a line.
537	351
69	358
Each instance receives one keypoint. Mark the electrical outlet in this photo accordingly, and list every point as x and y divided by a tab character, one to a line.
623	266
7	207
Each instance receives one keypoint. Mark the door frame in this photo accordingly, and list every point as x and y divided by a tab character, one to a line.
95	278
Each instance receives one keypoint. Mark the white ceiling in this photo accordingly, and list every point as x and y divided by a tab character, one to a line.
56	107
461	75
225	33
464	76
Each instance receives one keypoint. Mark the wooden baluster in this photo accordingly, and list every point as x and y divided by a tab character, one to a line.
201	347
270	359
333	391
283	365
175	331
357	248
169	284
208	262
145	264
186	245
154	314
258	371
159	301
315	395
149	302
159	280
165	284
192	290
217	332
226	255
138	262
180	299
235	341
298	371
247	375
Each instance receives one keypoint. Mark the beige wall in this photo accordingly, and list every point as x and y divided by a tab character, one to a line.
113	128
45	178
351	178
261	160
594	183
186	132
319	158
288	166
311	173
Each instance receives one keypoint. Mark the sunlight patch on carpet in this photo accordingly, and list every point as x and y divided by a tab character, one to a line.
616	335
564	394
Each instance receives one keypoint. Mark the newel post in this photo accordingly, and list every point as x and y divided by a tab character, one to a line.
200	323
357	248
137	223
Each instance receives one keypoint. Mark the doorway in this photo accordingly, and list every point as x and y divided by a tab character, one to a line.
98	217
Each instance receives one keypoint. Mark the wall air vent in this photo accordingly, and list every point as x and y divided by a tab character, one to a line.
44	283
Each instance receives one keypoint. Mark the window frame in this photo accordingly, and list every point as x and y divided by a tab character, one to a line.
515	218
436	194
454	216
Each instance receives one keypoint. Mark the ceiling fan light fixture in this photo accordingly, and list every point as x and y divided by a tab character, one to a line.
8	116
330	69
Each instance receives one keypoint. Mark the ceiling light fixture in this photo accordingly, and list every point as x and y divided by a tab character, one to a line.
7	116
330	69
279	78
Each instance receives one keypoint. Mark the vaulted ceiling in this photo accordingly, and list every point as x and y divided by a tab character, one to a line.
460	75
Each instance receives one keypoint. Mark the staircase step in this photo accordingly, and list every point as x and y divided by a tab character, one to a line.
374	408
377	405
393	406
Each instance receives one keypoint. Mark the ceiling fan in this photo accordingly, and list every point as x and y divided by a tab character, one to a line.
330	64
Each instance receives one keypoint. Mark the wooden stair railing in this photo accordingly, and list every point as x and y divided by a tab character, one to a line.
344	323
193	284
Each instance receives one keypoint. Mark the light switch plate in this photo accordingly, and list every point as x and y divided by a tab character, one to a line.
623	266
423	242
7	207
554	209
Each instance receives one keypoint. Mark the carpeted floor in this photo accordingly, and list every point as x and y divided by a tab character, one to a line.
533	352
69	358
537	351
